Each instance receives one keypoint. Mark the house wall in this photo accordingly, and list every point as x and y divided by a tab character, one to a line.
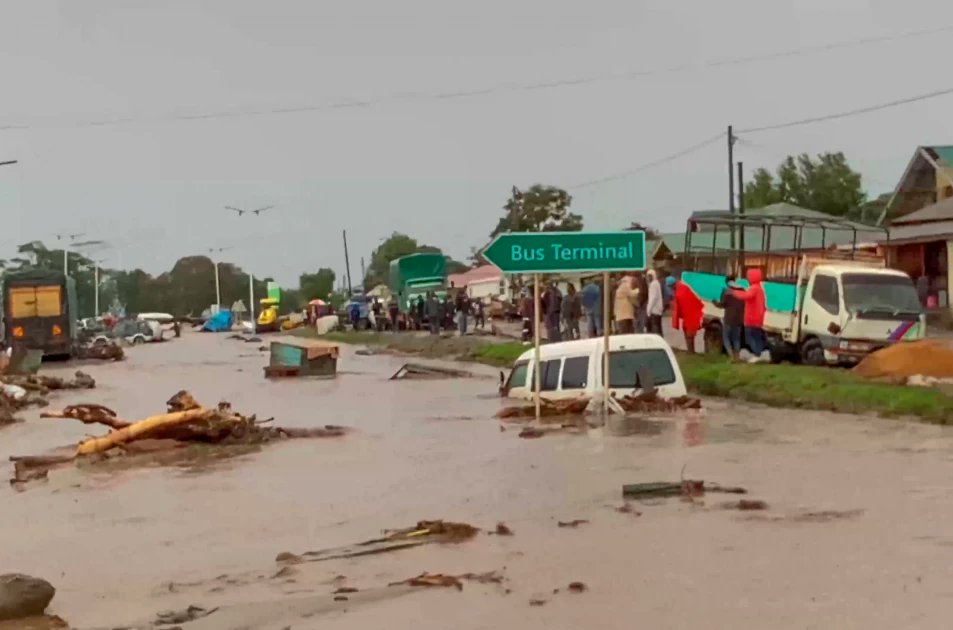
490	287
944	183
906	258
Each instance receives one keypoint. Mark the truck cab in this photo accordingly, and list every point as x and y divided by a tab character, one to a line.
831	306
847	312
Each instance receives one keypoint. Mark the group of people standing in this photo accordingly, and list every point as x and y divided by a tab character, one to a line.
638	303
451	312
430	312
743	321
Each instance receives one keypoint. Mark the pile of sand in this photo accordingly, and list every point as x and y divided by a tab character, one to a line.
928	357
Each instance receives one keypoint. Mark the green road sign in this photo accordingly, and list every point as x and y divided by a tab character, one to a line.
554	252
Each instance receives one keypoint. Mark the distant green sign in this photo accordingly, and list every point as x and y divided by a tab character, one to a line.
274	291
554	252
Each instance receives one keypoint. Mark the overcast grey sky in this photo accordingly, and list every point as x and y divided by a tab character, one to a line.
437	169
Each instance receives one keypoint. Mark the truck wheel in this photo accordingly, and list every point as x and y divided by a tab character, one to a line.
812	352
138	341
714	343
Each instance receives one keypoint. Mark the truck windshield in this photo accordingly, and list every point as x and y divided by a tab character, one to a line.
877	295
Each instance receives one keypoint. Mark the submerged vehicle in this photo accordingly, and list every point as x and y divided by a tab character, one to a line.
570	369
39	312
134	332
832	305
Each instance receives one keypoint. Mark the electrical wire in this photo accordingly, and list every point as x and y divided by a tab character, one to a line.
652	164
487	91
851	112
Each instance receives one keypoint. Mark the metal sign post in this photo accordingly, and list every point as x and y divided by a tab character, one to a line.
605	347
536	364
561	252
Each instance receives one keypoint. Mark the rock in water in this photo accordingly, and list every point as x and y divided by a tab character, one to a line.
23	596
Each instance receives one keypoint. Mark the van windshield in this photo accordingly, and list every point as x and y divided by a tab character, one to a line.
624	366
878	296
517	376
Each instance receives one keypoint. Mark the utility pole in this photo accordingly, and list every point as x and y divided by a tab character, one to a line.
347	267
731	178
363	272
741	214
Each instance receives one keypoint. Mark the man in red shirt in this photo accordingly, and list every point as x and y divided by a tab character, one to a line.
755	307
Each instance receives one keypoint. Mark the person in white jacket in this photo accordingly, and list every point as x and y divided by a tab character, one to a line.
655	305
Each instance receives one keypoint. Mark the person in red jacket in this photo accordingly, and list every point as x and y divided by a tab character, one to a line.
755	306
687	313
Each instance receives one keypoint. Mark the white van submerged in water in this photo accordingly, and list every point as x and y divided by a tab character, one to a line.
574	368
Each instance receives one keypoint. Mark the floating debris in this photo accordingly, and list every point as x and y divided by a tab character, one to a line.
577	587
185	422
430	580
573	523
684	488
572	406
425	532
419	371
503	530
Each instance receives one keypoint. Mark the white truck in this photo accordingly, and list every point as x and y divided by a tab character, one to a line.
839	307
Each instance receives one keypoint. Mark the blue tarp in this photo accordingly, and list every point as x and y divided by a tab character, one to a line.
218	322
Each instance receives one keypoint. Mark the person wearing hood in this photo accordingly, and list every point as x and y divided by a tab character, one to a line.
655	304
687	313
732	328
755	307
625	302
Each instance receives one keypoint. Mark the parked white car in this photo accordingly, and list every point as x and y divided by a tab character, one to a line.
574	368
132	332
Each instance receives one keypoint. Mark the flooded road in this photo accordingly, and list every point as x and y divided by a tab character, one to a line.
122	545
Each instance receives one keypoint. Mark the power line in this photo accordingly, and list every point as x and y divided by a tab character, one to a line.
852	112
491	90
652	164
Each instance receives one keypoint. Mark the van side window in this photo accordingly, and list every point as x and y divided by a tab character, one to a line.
549	375
624	366
517	376
575	373
825	293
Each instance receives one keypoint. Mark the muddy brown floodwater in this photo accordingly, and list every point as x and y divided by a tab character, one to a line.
856	535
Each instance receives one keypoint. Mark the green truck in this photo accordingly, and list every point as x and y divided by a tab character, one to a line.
415	275
39	312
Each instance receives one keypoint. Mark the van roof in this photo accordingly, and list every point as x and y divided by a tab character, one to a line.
588	346
842	269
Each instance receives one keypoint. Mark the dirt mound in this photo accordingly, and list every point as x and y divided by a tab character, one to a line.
928	357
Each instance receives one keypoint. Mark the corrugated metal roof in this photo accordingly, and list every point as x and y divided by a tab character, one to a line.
920	232
937	212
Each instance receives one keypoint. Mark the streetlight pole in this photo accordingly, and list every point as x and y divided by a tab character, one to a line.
218	286
251	277
70	237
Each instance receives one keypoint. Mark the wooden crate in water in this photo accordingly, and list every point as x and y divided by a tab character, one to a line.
302	357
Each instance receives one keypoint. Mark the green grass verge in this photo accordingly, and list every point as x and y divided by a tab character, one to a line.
805	387
788	386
